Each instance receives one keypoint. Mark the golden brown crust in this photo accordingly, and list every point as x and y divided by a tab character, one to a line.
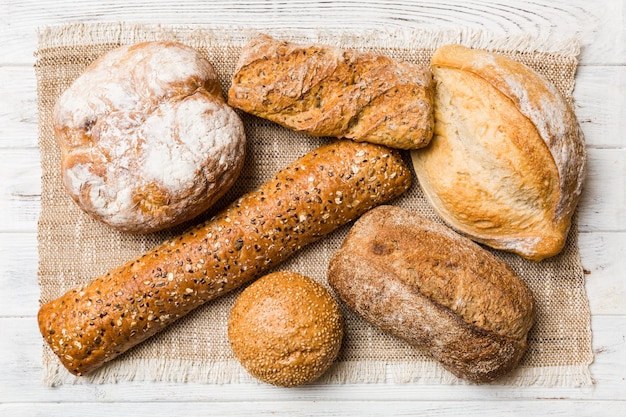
286	329
507	161
316	194
326	91
435	289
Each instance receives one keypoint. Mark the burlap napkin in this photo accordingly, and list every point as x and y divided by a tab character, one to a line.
73	248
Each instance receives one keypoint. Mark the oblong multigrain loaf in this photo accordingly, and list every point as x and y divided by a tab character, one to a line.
147	140
507	161
435	289
327	91
319	192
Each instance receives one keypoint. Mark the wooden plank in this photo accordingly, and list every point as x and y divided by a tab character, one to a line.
19	292
21	379
543	407
603	202
20	190
600	25
602	256
18	106
598	92
601	209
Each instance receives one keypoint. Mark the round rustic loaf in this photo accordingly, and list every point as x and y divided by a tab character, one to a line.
147	140
286	329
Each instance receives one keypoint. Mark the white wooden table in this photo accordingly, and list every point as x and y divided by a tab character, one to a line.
600	105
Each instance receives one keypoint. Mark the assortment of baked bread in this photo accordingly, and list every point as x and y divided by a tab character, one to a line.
148	141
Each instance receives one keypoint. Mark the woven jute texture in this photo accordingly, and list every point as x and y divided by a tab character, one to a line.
74	249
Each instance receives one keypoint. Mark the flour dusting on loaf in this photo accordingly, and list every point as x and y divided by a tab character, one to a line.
543	104
147	139
507	161
435	289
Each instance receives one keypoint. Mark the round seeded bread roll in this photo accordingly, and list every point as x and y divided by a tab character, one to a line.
286	329
147	140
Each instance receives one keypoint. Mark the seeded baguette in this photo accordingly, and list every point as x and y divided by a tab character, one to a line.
435	289
318	193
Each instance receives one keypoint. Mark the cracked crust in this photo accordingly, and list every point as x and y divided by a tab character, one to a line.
507	161
147	140
327	91
422	282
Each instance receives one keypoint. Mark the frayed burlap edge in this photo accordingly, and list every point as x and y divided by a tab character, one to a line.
347	372
128	33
